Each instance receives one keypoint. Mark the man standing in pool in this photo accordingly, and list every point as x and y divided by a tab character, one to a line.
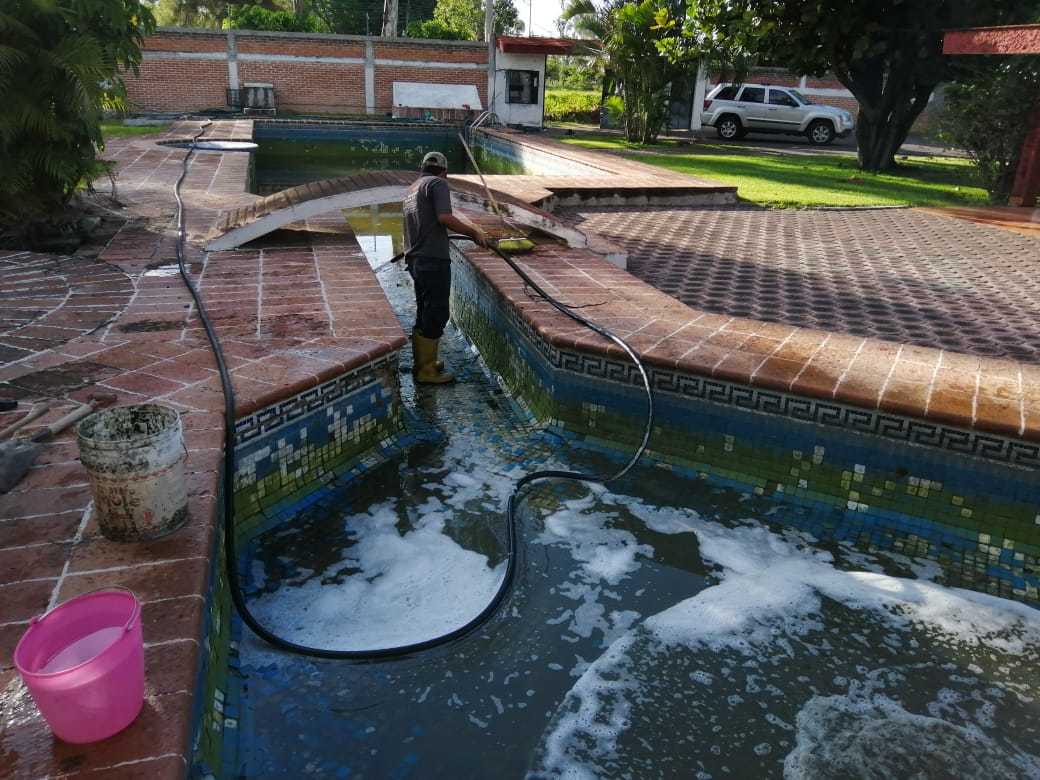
427	220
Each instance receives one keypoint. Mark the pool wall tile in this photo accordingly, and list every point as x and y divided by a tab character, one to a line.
287	448
963	498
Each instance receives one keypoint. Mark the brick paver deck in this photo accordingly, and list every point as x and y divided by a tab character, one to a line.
897	274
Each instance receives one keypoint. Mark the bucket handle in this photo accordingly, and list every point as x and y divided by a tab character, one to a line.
134	613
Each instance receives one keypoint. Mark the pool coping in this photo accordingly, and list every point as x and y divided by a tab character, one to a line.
938	387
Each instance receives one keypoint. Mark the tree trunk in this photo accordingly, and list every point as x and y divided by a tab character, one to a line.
891	96
880	132
390	19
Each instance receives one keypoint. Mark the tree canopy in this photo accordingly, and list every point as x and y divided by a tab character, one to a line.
466	18
987	112
888	53
60	68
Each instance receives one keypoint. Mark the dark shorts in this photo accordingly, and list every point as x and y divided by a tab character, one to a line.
432	277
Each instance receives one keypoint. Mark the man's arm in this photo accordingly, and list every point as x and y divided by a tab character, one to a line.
441	195
464	226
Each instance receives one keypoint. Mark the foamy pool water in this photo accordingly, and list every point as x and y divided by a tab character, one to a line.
659	628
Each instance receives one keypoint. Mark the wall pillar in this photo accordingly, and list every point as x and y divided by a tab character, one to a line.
698	96
232	60
370	78
489	36
1027	178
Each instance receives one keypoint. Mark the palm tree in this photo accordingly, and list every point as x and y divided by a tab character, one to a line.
60	67
592	21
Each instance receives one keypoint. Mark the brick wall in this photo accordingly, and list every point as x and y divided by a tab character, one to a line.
188	70
310	87
178	85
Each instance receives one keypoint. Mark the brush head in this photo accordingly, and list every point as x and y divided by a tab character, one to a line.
514	245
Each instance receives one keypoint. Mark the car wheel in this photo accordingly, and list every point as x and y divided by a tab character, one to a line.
729	128
820	132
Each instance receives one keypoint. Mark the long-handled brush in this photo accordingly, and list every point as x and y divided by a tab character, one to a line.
511	244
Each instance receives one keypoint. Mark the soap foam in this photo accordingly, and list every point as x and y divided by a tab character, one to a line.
409	587
840	736
771	589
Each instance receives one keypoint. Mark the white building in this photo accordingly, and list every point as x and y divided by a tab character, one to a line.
517	78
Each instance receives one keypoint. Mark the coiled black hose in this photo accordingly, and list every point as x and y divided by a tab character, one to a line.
230	550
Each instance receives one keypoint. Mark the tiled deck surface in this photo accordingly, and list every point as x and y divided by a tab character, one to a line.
303	307
125	325
897	274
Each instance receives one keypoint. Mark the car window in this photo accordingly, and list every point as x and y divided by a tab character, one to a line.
753	95
777	97
800	97
726	93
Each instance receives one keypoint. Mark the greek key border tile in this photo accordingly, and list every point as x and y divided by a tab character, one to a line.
831	414
821	412
277	415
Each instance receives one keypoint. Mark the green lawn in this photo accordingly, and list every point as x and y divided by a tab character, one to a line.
117	129
798	180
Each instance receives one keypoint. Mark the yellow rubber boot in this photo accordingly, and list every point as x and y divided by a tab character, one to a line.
426	371
415	359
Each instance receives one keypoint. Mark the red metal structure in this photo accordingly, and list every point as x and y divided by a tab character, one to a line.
1017	39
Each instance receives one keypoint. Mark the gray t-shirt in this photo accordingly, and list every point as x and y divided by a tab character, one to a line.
424	236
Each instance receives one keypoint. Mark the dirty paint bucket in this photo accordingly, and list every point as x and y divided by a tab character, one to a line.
135	458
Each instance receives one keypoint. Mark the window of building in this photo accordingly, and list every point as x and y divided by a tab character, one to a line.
777	97
753	95
522	86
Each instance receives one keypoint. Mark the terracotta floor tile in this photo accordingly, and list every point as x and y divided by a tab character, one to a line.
59	527
147	580
159	729
170	668
35	562
952	403
903	397
738	366
23	600
861	388
96	552
999	414
43	501
801	346
143	383
703	359
778	374
172	619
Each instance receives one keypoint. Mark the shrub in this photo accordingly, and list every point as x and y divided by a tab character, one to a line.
615	105
988	114
572	105
60	66
255	17
433	30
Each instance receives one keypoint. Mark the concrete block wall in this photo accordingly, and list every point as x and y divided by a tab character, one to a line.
191	70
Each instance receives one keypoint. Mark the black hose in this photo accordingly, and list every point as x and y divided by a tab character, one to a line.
230	552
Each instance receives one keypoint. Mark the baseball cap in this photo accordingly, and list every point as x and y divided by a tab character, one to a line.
435	159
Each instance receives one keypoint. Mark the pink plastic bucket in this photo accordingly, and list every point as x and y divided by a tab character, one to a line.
83	663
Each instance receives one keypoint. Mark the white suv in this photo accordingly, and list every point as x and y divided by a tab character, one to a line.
734	110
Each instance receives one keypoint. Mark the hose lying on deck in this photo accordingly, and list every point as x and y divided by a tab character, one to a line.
230	546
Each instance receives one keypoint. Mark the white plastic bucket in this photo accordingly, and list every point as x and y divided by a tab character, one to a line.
135	458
